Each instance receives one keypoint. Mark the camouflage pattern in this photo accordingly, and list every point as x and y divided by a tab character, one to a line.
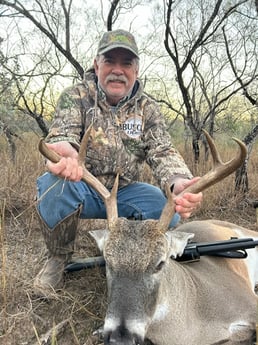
117	39
122	139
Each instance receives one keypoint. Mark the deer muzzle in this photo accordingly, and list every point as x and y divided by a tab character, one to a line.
122	336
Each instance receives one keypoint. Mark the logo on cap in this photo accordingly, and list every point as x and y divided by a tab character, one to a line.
117	39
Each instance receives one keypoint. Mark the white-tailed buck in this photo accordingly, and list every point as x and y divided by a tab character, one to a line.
154	299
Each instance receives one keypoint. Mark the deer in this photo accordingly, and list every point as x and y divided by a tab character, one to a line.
153	299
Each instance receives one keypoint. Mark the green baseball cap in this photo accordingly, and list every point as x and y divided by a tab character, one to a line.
117	39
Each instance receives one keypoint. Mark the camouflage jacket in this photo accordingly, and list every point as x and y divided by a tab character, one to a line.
123	138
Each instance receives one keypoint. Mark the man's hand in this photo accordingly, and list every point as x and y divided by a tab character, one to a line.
188	202
68	167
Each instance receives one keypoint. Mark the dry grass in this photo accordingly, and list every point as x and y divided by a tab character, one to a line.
81	304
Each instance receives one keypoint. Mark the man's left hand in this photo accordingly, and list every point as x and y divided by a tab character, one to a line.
186	203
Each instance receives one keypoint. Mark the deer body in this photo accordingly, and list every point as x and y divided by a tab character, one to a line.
155	298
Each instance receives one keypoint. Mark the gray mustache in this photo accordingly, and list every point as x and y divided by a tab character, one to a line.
120	78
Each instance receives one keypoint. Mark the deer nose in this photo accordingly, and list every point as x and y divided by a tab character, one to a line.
121	336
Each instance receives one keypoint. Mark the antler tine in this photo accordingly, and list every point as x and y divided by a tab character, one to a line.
219	171
84	144
109	198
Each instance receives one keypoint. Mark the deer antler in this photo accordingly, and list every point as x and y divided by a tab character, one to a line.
108	197
219	171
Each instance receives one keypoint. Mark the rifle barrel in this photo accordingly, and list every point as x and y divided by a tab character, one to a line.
194	250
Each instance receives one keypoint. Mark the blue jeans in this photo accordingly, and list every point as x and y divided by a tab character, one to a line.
58	198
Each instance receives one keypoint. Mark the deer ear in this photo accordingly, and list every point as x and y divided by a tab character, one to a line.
100	237
177	242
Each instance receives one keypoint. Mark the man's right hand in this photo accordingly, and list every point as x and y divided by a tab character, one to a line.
68	167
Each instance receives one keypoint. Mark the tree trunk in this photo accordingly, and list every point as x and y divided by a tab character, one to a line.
196	149
241	176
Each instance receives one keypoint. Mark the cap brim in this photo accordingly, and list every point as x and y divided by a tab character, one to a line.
115	46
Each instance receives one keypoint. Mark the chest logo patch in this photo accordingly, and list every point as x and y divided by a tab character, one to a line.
133	127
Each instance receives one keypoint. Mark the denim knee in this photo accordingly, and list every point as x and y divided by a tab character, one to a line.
57	198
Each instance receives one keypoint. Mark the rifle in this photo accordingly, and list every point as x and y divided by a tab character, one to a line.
235	248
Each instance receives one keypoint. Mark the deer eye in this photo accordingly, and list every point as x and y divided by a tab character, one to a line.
159	266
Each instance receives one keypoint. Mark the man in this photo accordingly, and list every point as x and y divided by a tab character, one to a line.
128	131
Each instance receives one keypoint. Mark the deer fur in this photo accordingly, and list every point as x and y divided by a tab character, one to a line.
155	299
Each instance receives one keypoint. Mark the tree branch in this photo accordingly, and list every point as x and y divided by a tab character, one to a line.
113	7
27	14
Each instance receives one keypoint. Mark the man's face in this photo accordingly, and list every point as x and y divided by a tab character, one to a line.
117	71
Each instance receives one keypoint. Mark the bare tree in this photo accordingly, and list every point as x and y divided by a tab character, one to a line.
42	66
245	71
193	40
48	28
